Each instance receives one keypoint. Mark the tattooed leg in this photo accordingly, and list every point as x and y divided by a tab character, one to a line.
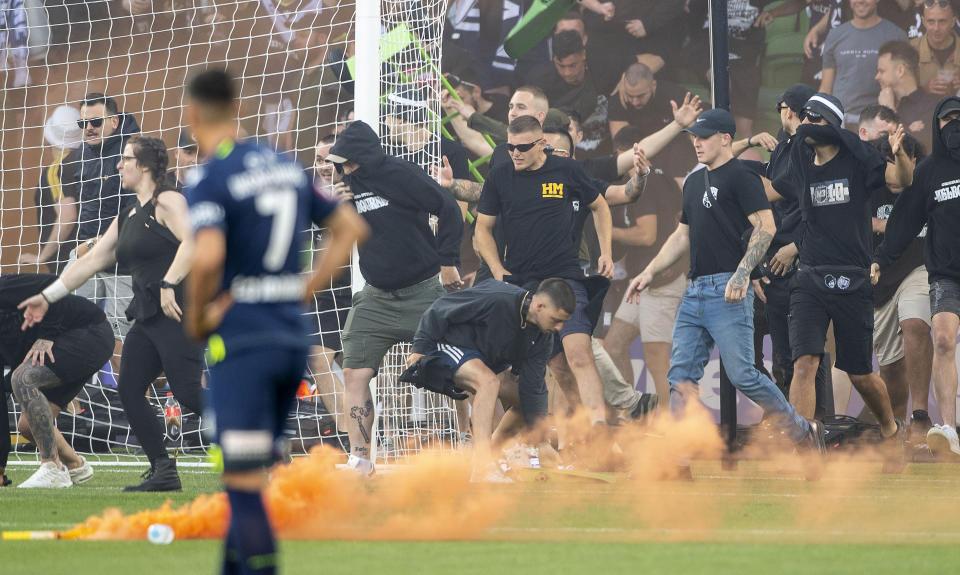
359	405
28	381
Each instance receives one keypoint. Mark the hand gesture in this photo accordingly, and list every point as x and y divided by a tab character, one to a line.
640	161
686	114
450	277
34	308
413	358
341	192
605	267
810	43
41	349
874	273
168	303
637	285
736	288
781	261
758	288
29	259
896	140
621	93
443	174
607	11
636	28
763	20
765	140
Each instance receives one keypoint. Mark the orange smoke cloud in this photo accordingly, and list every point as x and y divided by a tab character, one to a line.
430	499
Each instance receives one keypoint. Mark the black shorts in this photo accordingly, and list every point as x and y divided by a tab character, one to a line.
79	353
330	317
945	296
811	310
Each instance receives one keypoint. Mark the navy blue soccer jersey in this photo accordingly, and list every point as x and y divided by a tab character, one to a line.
264	204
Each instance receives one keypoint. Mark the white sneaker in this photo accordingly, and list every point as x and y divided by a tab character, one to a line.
81	474
363	467
943	442
49	476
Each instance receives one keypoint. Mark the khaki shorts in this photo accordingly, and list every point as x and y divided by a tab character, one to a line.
380	319
113	293
655	311
911	301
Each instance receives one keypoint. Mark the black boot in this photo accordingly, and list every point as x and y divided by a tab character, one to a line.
4	482
162	476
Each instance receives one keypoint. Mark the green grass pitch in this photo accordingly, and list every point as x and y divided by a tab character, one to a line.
754	520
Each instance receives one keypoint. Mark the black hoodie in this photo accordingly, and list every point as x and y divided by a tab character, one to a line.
934	200
101	197
488	318
396	197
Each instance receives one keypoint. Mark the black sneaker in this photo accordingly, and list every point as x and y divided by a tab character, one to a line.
816	448
162	476
647	405
6	481
920	424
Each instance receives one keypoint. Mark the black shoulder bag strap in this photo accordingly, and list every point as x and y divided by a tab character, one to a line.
728	228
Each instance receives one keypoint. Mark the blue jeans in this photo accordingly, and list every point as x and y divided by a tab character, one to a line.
705	318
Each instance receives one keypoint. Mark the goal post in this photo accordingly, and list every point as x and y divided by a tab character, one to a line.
301	66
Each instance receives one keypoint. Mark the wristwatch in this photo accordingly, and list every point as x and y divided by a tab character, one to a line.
164	284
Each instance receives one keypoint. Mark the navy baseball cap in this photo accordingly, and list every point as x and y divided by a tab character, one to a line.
796	96
713	122
827	107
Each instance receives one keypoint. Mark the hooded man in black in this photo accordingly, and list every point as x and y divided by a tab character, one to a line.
838	173
400	262
482	331
934	200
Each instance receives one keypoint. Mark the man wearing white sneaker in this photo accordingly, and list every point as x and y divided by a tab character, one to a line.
51	362
934	200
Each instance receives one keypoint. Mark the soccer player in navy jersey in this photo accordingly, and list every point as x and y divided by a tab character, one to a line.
250	209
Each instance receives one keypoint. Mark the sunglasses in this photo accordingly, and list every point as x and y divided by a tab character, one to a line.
131	158
522	147
808	115
781	107
938	3
95	122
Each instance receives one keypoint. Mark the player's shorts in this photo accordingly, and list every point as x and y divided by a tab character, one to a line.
811	310
579	322
911	301
454	357
251	395
380	318
79	354
655	311
333	307
945	296
113	293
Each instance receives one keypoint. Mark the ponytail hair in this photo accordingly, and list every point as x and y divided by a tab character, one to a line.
151	153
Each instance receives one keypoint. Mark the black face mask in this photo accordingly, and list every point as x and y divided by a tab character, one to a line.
950	134
818	135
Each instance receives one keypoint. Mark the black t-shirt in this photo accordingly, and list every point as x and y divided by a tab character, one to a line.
718	216
881	206
916	112
836	209
661	198
678	157
538	210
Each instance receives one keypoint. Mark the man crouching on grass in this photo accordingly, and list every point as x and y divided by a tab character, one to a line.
56	358
468	337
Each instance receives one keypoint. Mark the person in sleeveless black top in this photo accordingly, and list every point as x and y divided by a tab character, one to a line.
152	239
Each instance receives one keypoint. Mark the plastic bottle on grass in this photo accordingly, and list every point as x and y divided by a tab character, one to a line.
171	417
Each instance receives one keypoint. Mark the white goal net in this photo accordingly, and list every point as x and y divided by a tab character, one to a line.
296	64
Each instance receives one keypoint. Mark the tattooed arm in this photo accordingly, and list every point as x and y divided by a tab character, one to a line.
763	231
466	190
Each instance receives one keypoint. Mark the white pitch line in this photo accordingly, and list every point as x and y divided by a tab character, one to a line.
743	532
